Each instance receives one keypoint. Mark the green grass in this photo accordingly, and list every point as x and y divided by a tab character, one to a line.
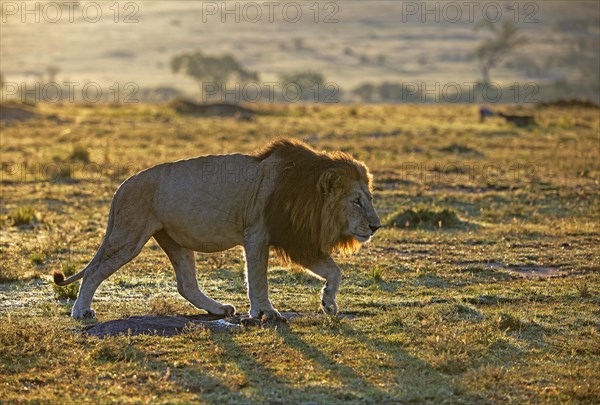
69	291
22	215
438	316
37	258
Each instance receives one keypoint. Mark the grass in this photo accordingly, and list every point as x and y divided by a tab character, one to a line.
22	215
437	316
69	291
80	154
376	274
37	258
425	218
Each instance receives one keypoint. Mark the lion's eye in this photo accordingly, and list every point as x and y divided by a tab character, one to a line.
357	202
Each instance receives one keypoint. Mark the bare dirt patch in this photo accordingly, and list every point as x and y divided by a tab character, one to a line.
537	271
11	114
522	271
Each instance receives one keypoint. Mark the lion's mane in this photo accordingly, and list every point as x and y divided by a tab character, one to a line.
304	215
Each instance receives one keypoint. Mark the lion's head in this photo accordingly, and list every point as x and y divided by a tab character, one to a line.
321	202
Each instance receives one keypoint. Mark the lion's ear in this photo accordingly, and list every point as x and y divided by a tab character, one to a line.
329	180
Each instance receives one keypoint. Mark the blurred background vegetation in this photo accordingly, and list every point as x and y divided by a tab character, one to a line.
382	53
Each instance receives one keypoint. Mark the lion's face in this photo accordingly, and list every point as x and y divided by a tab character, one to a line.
357	205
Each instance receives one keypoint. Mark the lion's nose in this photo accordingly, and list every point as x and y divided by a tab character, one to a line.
374	228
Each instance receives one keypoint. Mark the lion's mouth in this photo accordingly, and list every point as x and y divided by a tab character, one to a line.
362	238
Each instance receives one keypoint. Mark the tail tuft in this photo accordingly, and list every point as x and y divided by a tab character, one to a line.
58	276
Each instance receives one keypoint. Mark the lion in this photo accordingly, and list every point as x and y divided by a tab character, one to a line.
303	203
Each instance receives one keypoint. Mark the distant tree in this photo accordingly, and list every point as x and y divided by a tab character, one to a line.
52	71
398	92
299	44
505	38
389	91
381	59
307	86
366	92
1	87
210	69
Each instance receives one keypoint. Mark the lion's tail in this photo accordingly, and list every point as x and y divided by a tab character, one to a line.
59	277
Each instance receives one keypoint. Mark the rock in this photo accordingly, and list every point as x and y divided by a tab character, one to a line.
158	325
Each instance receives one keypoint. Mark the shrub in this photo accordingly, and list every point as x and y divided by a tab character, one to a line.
37	258
459	149
376	274
425	218
8	274
80	153
509	322
23	215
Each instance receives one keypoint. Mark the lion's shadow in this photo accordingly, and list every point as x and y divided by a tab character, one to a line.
172	325
349	379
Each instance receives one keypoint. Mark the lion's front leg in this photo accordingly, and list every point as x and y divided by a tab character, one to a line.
332	274
257	257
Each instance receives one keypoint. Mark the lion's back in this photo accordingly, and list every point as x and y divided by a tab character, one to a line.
204	200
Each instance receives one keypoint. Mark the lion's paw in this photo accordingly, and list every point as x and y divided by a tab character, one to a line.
270	314
328	304
329	308
83	313
226	310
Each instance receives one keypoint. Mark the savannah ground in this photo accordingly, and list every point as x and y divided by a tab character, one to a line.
497	304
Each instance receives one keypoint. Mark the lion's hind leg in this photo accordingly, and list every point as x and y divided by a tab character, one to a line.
184	263
123	243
